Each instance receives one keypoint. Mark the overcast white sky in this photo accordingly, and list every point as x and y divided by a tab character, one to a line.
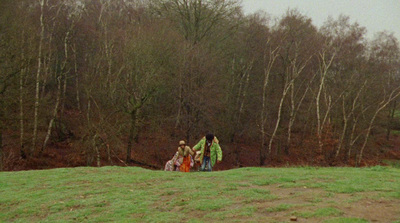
374	15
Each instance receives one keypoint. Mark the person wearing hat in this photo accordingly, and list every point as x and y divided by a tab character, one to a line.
185	154
211	152
182	160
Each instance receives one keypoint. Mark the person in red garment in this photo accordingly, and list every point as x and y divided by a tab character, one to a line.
186	153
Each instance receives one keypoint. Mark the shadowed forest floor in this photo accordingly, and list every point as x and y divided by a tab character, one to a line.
235	155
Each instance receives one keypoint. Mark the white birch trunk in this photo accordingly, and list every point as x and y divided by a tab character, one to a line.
58	99
278	120
36	109
324	70
267	72
96	149
54	115
346	118
394	94
293	108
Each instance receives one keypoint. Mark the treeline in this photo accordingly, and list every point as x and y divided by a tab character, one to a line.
105	74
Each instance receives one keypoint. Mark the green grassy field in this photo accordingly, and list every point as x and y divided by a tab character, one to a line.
127	194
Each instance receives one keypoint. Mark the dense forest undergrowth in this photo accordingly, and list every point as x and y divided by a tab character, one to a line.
152	153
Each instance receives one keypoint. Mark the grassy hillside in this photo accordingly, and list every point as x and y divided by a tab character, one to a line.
124	194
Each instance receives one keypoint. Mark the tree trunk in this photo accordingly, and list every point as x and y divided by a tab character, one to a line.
78	99
353	137
21	110
132	134
345	121
244	79
293	114
346	118
182	82
97	155
96	150
58	99
278	120
36	112
394	94
319	128
1	134
267	71
64	94
390	119
64	71
291	120
180	101
109	154
1	148
53	116
320	124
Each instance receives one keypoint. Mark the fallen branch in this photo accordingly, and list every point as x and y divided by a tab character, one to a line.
119	158
144	164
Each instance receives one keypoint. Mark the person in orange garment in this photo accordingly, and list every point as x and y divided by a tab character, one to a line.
187	154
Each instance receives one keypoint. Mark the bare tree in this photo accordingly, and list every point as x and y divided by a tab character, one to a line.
393	94
24	70
385	53
38	73
7	73
326	62
201	23
347	115
62	75
270	56
239	88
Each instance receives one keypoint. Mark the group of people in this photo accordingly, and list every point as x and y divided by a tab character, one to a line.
206	153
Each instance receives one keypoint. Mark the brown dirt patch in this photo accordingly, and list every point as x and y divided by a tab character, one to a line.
363	205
